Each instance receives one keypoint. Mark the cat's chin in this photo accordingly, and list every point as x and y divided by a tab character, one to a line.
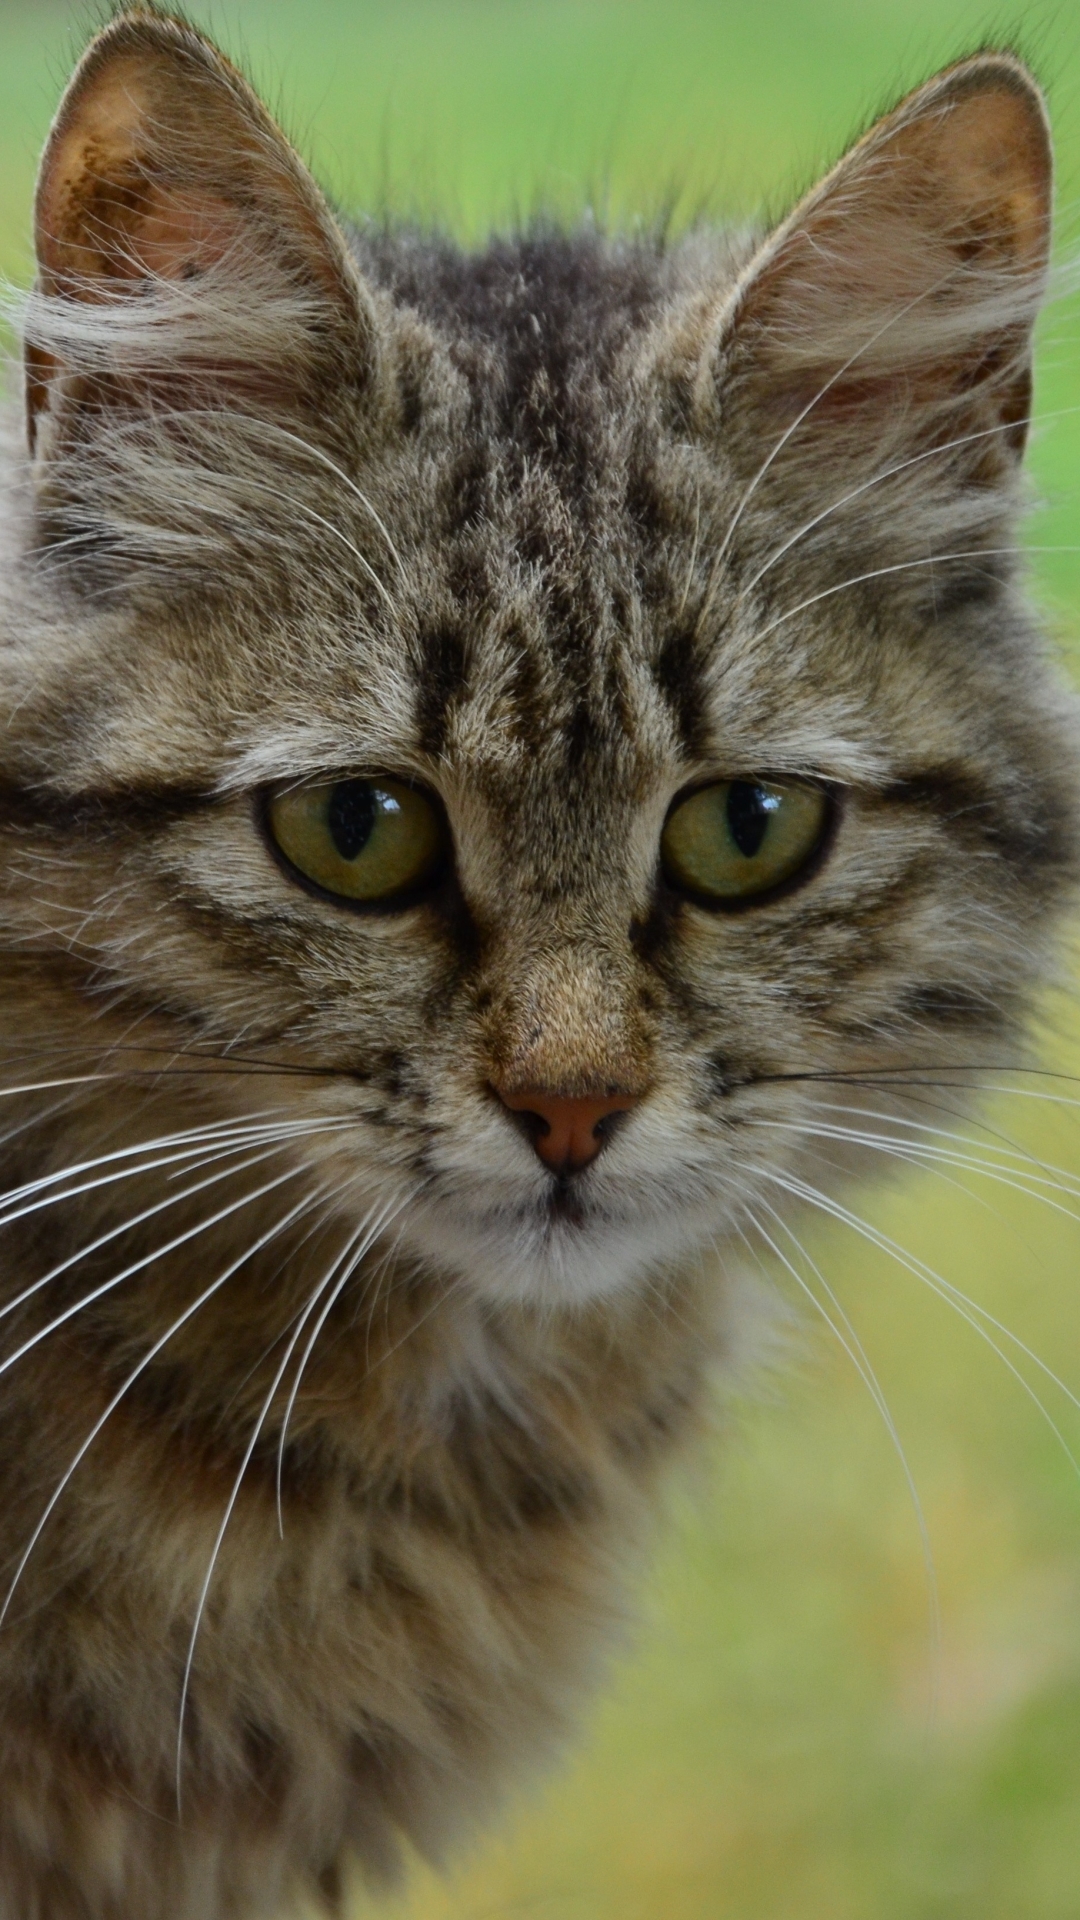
553	1258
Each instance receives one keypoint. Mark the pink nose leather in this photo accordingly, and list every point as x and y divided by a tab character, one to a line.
565	1131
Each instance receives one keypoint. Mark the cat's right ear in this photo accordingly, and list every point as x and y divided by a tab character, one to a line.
185	255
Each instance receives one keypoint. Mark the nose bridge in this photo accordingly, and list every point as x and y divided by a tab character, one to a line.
568	1018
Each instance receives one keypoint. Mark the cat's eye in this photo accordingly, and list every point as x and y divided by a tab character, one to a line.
363	841
738	839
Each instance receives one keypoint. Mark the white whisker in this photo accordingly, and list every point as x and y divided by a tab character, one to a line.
353	1254
186	1160
924	1152
267	1149
903	566
849	1339
253	421
234	1495
138	1266
191	1140
318	1226
189	1312
969	1310
876	480
749	491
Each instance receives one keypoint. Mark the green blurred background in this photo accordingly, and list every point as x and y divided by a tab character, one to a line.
783	1740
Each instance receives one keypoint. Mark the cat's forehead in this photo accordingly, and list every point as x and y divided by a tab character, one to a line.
536	598
529	583
575	687
525	654
546	304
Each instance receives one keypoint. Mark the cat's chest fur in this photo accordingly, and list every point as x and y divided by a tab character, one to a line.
407	1600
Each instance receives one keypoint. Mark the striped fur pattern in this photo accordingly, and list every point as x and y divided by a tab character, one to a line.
334	1424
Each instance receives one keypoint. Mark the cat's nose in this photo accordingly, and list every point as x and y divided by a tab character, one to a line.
567	1132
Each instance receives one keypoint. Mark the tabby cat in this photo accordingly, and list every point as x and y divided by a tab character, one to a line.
496	747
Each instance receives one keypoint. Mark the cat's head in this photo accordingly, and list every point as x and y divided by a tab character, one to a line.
561	715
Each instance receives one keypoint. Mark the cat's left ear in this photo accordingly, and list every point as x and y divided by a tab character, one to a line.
169	201
894	306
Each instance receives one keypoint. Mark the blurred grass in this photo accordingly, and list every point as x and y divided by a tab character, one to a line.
783	1742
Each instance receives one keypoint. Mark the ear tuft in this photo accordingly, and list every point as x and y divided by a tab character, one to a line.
911	276
162	169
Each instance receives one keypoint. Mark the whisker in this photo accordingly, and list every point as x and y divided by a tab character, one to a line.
961	1303
891	1118
47	1086
191	1141
318	1226
916	1152
904	566
351	1253
219	1145
1025	1183
947	1179
978	1121
876	480
125	1226
852	1345
388	1212
226	1060
317	454
159	1206
440	1300
297	505
40	1118
148	1358
378	1292
901	1074
234	1495
220	1061
779	445
138	1266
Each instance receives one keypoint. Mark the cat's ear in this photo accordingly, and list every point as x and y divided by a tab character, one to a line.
182	246
894	306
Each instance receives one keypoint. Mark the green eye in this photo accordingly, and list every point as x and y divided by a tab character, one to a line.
362	840
740	838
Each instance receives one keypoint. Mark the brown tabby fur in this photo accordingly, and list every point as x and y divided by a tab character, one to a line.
557	529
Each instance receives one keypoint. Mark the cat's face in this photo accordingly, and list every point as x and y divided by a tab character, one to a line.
554	541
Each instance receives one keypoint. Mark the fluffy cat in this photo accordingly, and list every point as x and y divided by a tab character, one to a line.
498	748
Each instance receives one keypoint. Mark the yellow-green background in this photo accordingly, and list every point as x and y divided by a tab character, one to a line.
783	1743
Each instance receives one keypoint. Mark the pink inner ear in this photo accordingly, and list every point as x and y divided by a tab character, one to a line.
180	234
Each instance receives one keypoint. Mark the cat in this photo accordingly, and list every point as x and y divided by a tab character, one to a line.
502	751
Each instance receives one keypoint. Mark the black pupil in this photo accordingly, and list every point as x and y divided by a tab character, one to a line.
748	812
351	816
